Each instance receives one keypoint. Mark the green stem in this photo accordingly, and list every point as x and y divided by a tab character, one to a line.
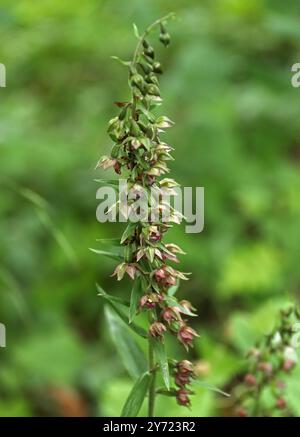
151	394
147	31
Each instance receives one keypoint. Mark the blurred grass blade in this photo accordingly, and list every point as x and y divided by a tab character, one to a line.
42	210
135	298
132	356
111	241
162	359
136	396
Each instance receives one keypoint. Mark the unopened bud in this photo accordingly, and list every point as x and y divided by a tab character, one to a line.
281	403
250	379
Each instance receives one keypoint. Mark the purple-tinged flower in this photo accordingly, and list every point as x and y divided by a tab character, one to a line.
186	335
182	397
171	314
250	380
157	330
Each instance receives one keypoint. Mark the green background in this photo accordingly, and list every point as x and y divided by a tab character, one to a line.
227	86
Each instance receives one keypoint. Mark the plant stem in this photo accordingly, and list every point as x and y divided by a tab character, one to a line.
147	31
151	394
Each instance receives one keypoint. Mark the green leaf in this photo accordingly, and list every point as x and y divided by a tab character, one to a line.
111	255
116	58
135	328
111	241
161	356
108	182
111	298
208	386
137	395
128	231
132	356
136	31
173	302
135	298
172	290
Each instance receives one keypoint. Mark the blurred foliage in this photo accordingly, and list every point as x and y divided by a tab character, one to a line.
227	86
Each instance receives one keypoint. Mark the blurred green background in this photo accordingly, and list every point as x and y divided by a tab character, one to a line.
227	87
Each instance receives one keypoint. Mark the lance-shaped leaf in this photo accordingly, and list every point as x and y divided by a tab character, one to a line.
162	359
129	231
106	253
137	395
110	241
136	294
130	353
111	298
206	385
123	316
108	182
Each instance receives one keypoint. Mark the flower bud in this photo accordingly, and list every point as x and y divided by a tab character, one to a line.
157	330
185	366
106	162
117	168
157	68
288	364
250	379
160	275
241	412
281	403
152	90
171	314
165	39
149	52
138	81
182	397
265	367
181	380
147	302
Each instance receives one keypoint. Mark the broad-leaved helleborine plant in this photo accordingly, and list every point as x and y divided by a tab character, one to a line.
141	156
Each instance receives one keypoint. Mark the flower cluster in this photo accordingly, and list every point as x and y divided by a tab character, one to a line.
183	373
267	364
141	156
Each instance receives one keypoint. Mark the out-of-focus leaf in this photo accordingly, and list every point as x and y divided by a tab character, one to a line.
208	386
111	255
162	359
132	356
137	395
111	298
135	298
